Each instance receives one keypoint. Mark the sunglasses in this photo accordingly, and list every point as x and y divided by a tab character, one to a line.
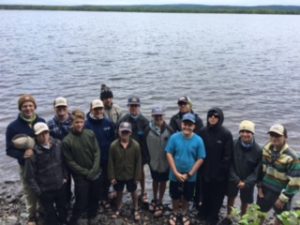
214	114
275	135
182	103
133	105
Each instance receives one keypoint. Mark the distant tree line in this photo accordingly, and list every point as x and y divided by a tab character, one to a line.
176	8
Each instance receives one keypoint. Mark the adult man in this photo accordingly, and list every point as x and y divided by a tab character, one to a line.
185	154
157	138
24	125
46	175
185	106
60	126
124	167
280	178
139	125
112	111
61	123
82	156
214	174
104	130
246	162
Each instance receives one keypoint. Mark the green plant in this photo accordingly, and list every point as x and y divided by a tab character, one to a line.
290	217
253	216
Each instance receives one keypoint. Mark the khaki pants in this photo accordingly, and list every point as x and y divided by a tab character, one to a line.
30	196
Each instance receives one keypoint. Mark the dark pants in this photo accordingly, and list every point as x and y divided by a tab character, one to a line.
105	183
87	194
213	196
54	205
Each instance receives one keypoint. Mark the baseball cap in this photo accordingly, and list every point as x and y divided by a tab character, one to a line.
60	101
125	126
189	117
277	129
40	127
157	111
97	103
134	101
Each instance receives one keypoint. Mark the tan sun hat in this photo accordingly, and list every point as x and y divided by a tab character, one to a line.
23	141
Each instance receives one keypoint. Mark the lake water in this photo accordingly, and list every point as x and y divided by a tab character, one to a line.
248	65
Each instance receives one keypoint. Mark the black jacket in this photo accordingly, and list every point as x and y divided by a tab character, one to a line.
246	163
139	128
175	122
218	144
45	171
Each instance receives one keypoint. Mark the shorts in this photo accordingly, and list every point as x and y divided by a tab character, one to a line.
186	189
130	185
246	194
159	177
269	200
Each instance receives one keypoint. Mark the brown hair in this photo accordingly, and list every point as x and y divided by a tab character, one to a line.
78	114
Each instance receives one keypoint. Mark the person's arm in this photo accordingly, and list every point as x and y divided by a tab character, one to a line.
95	171
10	149
111	165
227	155
293	186
29	175
180	177
138	164
253	177
195	167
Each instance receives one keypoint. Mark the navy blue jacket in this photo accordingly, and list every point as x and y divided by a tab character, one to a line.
19	126
104	130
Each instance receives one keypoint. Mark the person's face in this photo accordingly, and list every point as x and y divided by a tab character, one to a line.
78	125
246	136
134	110
28	109
43	138
108	102
124	135
278	141
184	107
61	111
213	120
187	128
98	112
158	119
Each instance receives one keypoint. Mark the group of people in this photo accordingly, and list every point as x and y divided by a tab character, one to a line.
109	147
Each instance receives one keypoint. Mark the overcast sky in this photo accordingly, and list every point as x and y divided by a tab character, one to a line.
129	2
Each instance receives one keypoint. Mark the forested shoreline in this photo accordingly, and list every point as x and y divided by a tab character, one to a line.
176	8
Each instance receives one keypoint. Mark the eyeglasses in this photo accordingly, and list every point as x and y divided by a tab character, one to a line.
98	108
134	105
275	135
182	103
216	115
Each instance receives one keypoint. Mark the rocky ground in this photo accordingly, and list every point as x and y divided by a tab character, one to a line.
13	210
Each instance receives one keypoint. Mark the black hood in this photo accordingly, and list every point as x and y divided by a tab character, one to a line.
221	116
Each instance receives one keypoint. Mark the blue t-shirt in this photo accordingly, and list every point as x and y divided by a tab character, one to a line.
185	151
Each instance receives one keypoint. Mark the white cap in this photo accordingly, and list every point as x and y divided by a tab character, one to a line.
277	129
40	127
97	103
60	101
248	126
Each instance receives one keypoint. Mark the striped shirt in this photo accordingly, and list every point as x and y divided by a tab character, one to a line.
281	171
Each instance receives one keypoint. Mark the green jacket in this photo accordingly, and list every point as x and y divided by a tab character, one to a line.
82	154
124	164
281	171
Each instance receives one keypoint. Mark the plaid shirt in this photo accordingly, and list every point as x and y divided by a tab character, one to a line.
59	129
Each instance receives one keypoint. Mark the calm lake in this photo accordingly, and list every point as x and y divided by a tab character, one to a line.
248	65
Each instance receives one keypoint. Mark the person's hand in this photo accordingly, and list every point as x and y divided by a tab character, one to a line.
28	153
65	180
241	185
113	181
181	177
260	193
279	204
